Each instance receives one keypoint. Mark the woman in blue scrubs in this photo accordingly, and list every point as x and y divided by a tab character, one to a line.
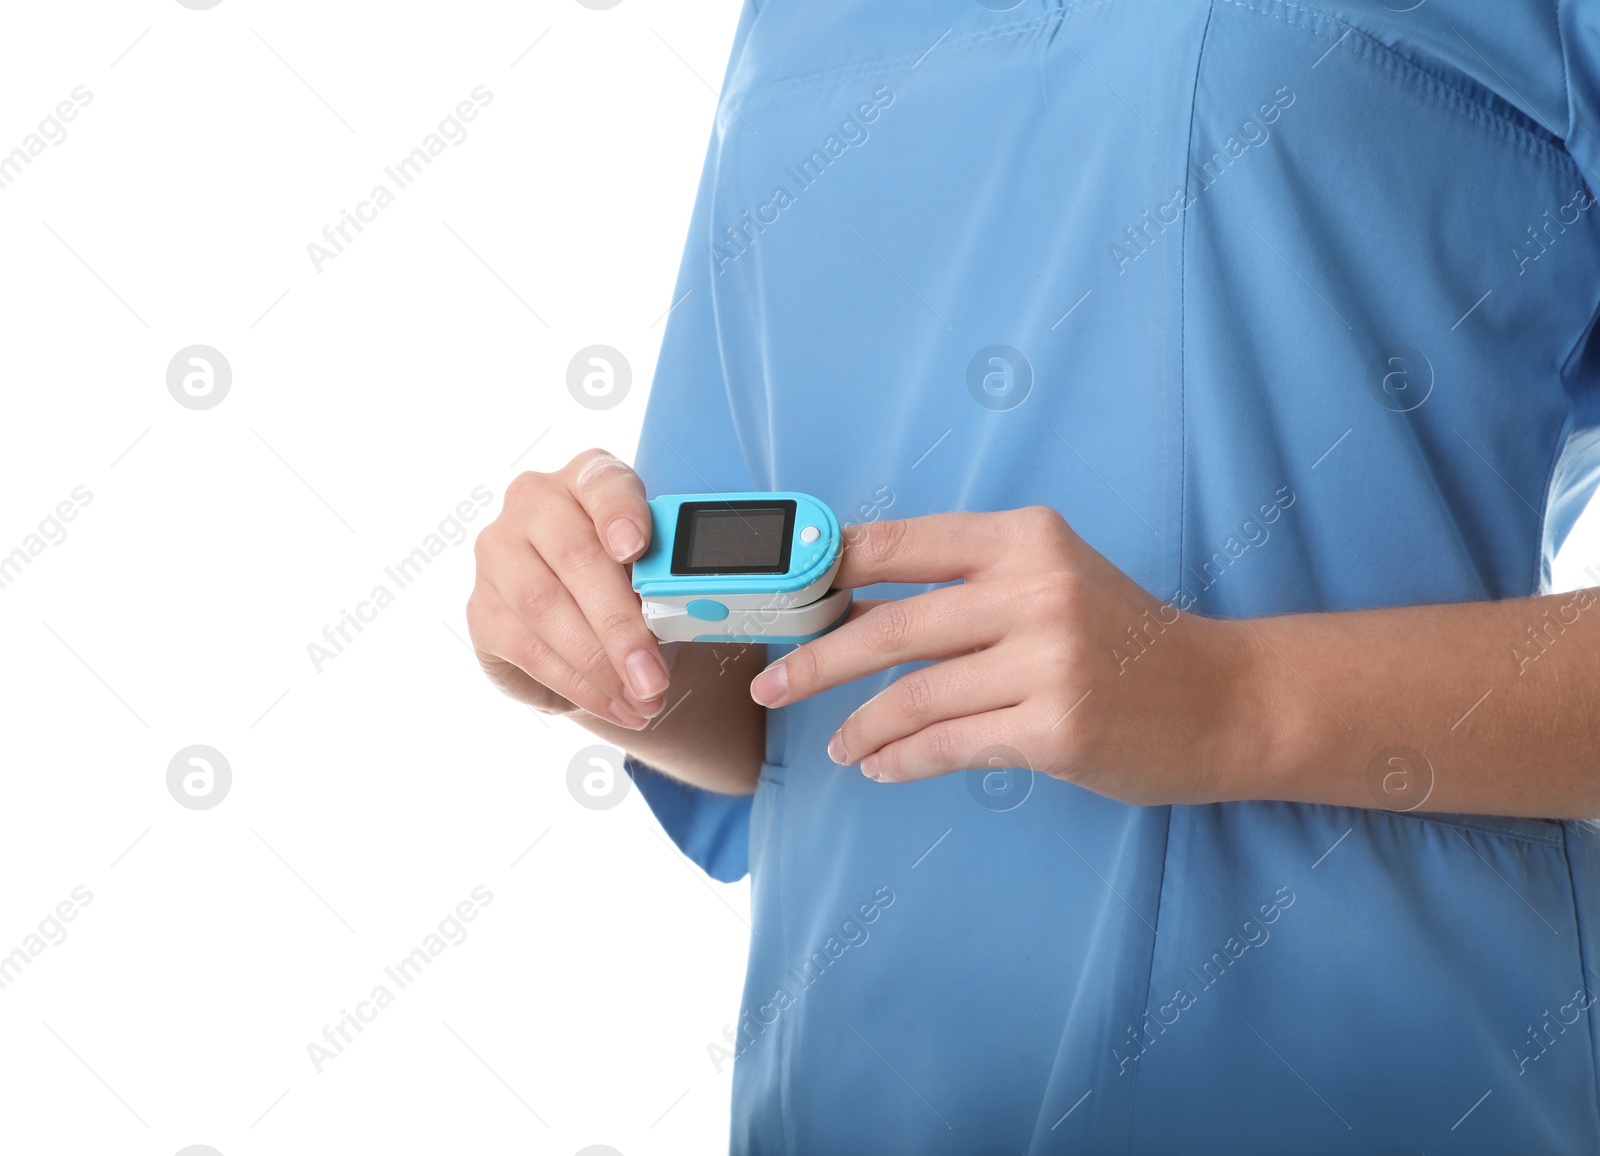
1210	383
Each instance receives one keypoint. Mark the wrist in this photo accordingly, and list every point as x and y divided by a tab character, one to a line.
1242	744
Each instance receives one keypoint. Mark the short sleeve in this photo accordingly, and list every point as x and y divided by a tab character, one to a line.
1576	475
1580	46
689	444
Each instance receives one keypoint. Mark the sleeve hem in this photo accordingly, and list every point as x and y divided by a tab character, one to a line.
712	830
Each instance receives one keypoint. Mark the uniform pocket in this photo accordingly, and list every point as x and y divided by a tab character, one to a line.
1352	979
1545	831
777	742
760	1089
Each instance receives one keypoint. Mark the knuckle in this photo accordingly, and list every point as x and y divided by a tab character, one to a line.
1040	524
804	668
597	667
535	658
585	458
1060	665
1041	519
888	627
535	598
882	542
478	615
1057	653
523	487
528	653
593	466
584	693
579	552
551	702
621	624
939	745
916	695
484	545
1054	591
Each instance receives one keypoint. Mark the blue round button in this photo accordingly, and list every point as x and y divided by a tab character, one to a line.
706	609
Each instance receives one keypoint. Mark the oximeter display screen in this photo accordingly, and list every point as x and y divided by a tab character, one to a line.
733	537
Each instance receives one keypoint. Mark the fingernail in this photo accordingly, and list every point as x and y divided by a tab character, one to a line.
623	538
647	675
626	717
768	687
869	768
836	748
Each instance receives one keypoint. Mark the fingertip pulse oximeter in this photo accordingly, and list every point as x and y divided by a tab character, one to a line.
741	568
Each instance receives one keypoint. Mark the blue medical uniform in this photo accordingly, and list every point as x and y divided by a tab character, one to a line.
1285	307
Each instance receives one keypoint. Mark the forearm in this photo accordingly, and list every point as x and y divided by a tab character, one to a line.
1501	700
711	734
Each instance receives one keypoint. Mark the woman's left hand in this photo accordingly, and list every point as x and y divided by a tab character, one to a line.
1043	647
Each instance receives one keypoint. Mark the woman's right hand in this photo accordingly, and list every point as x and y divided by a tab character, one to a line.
553	616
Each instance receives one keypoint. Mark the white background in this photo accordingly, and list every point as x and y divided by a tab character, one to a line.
368	399
372	797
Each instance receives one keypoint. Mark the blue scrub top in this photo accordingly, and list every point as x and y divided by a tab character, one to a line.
1285	307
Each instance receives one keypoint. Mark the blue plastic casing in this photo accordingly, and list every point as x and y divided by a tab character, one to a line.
808	562
794	606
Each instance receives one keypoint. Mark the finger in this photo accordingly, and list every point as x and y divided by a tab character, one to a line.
859	606
511	679
566	537
967	685
540	600
941	622
953	745
613	496
941	547
510	652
